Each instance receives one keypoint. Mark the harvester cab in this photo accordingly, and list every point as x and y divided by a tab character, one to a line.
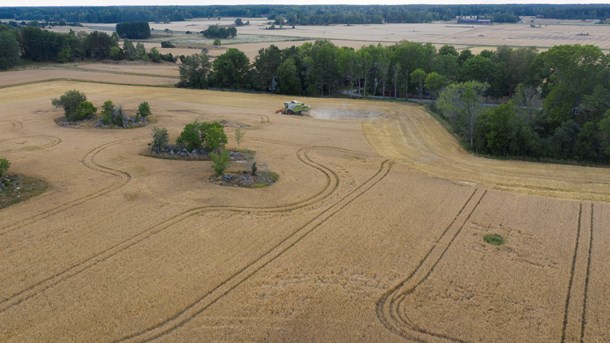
293	107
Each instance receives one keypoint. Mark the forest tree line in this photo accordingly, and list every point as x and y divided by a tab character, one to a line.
555	104
307	15
39	45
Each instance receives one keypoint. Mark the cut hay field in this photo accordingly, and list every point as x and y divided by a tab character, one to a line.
373	233
253	37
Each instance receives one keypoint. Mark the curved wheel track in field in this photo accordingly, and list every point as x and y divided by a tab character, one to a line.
575	308
392	310
207	299
20	143
15	125
332	184
408	134
121	178
390	307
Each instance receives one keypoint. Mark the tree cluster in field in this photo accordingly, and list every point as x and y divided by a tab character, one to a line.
76	107
308	15
560	97
133	30
217	31
197	139
39	45
113	116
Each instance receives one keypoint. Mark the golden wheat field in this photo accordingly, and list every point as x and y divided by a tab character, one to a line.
251	38
373	233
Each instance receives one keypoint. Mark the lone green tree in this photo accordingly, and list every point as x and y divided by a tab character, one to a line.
239	136
160	139
143	110
70	102
220	162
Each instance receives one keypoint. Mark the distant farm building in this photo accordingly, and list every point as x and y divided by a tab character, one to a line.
473	20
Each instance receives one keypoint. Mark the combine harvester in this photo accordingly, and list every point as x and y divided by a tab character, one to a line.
293	107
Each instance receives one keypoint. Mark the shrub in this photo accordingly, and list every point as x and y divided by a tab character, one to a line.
217	42
4	165
107	111
239	136
168	44
85	110
220	162
215	137
191	136
117	116
493	239
144	110
69	102
160	139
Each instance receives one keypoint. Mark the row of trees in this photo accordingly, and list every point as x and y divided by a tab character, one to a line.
399	70
559	98
39	45
306	15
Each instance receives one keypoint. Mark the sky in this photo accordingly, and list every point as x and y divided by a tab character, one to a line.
4	3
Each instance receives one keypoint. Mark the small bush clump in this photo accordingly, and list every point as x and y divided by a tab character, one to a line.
220	162
160	139
4	165
143	110
493	239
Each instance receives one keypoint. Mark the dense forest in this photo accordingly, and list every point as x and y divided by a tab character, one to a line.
306	15
555	104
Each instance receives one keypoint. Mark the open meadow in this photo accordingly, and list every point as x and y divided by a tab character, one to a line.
374	231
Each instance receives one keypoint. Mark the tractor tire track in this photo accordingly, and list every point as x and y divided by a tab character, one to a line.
583	319
332	184
121	178
203	302
575	308
390	308
52	141
15	124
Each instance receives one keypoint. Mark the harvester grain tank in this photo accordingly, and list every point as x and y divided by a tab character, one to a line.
293	107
